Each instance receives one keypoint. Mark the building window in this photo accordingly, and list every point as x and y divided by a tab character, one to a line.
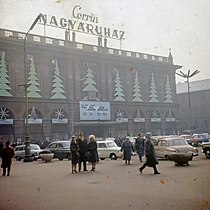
36	38
21	36
80	46
145	56
48	41
61	43
8	33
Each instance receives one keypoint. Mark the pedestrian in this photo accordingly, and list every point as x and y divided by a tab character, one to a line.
151	160
82	143
139	146
92	148
74	154
127	148
7	154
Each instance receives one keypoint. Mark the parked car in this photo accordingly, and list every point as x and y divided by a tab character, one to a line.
198	139
167	145
60	149
187	137
108	149
206	149
20	151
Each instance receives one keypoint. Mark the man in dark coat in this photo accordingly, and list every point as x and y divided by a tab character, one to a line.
7	154
151	160
139	146
82	143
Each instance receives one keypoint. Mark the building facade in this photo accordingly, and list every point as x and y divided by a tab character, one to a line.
74	87
200	106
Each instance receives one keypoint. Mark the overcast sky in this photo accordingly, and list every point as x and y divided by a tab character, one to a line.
151	26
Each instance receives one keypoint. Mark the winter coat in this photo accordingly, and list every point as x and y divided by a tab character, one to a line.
74	153
151	159
7	154
82	149
139	146
127	148
92	148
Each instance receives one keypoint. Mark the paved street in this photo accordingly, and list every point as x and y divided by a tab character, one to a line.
114	186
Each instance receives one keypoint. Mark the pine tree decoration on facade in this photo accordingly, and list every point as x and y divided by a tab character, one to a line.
153	91
118	96
168	95
33	89
57	87
90	89
4	82
137	97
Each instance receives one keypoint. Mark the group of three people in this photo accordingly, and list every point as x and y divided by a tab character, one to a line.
83	151
143	146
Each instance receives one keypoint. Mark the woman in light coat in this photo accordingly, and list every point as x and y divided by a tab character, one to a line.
92	148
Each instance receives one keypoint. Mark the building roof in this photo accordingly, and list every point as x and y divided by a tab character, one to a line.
194	86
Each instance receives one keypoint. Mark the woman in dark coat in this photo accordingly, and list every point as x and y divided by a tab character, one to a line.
92	148
127	148
74	154
151	160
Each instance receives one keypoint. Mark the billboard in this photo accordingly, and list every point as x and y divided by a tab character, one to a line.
93	110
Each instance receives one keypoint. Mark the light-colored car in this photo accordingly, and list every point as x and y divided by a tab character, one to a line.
187	137
108	149
20	151
169	145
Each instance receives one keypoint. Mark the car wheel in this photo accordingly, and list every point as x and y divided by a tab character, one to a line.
199	143
207	153
60	158
113	156
18	158
168	157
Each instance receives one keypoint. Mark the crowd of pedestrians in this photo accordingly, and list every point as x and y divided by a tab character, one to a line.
85	150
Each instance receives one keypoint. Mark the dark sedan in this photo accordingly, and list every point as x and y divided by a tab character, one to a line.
60	149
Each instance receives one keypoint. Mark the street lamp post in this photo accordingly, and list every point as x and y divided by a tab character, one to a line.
27	157
188	76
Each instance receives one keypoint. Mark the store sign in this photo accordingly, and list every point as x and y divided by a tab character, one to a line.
155	119
59	120
34	121
83	22
171	119
6	121
139	119
93	110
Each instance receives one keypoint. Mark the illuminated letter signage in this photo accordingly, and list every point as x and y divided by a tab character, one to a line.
83	23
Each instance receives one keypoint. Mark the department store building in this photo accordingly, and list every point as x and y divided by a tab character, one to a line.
75	87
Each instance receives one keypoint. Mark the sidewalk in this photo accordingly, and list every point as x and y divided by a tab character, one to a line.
114	186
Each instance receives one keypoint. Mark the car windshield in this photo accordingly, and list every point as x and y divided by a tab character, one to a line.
111	144
35	147
66	144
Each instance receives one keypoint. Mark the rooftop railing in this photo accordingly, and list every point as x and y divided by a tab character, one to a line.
15	35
